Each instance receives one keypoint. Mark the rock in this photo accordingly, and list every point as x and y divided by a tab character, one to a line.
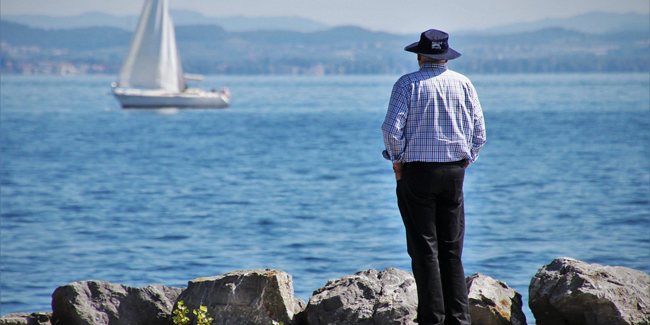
492	302
571	292
26	319
250	297
104	303
367	297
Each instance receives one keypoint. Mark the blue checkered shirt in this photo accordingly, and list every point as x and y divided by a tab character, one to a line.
434	115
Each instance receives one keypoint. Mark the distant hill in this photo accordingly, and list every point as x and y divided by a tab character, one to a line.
241	23
181	18
594	22
210	49
78	39
89	19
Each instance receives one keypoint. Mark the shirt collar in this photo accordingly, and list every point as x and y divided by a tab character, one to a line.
431	65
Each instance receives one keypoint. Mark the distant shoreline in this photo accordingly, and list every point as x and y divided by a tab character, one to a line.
348	50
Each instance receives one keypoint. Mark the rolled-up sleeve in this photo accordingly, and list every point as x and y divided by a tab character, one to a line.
395	123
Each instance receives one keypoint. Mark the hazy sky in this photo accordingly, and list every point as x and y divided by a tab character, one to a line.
401	16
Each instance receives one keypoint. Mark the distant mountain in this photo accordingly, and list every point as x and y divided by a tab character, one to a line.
594	22
241	23
78	39
89	19
210	49
181	18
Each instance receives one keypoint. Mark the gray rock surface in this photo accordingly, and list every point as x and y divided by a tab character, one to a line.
105	303
366	297
492	302
571	292
248	297
26	319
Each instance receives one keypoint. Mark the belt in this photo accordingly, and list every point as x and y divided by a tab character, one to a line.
461	163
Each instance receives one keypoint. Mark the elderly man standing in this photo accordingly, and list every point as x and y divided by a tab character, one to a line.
433	130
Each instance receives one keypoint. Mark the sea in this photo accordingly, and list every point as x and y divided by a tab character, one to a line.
291	177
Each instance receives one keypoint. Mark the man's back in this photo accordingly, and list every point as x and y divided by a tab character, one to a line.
433	115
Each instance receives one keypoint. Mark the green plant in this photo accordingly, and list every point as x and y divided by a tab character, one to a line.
180	314
202	316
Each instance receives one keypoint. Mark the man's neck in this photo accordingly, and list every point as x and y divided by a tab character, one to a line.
422	60
433	64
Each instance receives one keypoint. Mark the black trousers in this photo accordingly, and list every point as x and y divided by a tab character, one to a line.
430	200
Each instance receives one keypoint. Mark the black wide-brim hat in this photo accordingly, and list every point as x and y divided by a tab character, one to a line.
433	44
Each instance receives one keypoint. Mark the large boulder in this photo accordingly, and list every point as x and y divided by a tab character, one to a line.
105	303
366	297
492	302
571	292
26	319
251	297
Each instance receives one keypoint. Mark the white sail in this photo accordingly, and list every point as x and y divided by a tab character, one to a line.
152	74
153	61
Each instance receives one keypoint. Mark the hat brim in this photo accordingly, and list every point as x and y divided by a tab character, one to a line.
450	54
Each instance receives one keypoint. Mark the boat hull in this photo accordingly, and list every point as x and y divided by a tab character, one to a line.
160	99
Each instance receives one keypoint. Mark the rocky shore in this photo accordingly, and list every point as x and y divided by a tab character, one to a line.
564	292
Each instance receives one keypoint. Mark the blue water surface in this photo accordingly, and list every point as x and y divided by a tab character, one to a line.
291	177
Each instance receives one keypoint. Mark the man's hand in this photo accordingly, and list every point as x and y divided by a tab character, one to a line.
397	168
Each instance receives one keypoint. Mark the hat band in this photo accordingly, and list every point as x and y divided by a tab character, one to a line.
436	51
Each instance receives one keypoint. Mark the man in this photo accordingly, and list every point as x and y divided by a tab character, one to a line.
432	131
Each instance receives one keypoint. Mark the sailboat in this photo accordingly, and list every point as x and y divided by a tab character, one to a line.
152	75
